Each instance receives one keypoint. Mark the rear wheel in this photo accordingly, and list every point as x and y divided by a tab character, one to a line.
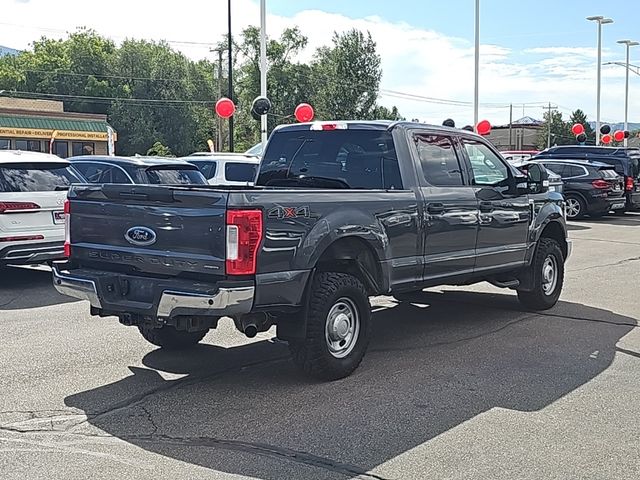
575	207
548	276
169	338
338	327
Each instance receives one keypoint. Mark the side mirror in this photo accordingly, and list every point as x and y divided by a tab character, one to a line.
538	178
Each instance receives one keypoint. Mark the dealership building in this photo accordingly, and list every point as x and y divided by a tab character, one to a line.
28	124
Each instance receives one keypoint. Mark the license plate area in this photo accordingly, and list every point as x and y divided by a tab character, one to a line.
58	217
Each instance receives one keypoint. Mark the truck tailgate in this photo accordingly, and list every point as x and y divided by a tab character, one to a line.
155	229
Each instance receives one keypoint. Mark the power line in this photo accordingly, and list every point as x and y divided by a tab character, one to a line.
111	99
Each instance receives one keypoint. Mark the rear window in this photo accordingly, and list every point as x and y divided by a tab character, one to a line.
240	172
208	169
358	159
608	173
174	176
36	177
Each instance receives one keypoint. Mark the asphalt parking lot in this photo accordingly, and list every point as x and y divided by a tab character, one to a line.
457	384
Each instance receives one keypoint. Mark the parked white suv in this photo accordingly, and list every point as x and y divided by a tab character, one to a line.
226	168
33	188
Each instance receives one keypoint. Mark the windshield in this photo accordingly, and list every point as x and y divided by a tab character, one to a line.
360	159
240	172
174	176
609	173
36	177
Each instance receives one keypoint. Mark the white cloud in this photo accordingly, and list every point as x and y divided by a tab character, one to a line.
417	61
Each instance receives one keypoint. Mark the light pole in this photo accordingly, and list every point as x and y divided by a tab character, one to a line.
629	44
476	89
263	68
230	77
601	21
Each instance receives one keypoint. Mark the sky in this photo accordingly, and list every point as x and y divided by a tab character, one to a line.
532	52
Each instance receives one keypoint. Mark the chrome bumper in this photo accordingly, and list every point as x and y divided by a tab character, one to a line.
226	301
81	288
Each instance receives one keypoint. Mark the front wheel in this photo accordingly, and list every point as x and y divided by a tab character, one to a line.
338	327
169	338
548	276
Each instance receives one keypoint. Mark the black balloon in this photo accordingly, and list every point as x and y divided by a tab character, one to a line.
449	123
605	129
627	134
581	138
260	106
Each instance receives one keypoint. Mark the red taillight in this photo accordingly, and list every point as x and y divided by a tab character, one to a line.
628	185
67	228
244	234
18	206
602	184
22	238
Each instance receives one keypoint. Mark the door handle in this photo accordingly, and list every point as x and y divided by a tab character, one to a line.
435	208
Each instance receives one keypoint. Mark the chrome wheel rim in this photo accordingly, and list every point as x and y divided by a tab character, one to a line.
549	275
342	328
573	207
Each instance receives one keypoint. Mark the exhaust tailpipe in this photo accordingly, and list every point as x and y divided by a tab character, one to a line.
250	330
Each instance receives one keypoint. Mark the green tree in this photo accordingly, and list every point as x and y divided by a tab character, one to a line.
578	116
560	131
159	150
347	77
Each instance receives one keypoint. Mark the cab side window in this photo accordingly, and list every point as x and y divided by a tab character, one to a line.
487	167
439	161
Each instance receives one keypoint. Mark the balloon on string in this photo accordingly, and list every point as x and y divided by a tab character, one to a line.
605	129
606	139
483	127
259	107
618	136
225	107
577	129
581	138
304	113
627	134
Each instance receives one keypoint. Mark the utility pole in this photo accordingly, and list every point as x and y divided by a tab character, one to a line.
219	138
549	122
549	132
510	126
230	78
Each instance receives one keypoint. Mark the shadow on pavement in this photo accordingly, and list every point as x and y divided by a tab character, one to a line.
27	287
572	227
432	365
629	219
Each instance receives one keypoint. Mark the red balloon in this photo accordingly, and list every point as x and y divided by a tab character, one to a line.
577	129
606	139
483	127
304	112
225	107
618	136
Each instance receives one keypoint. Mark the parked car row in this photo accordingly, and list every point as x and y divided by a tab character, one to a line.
33	188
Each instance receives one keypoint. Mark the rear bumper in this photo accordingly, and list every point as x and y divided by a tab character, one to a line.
633	200
605	204
31	253
115	294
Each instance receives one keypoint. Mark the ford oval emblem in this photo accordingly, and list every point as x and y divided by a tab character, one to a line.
140	236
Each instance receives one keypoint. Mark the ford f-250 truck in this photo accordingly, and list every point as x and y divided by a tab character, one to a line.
340	212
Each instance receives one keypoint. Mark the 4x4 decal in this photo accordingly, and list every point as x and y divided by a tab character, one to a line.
288	212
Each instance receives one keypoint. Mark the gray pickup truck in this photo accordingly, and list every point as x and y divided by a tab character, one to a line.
340	212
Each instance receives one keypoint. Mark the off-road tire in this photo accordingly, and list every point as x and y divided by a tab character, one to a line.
169	338
538	298
312	354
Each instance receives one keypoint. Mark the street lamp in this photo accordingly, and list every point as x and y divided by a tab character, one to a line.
629	44
476	89
601	21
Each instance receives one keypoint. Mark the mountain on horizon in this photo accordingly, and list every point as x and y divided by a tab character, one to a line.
7	51
618	126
